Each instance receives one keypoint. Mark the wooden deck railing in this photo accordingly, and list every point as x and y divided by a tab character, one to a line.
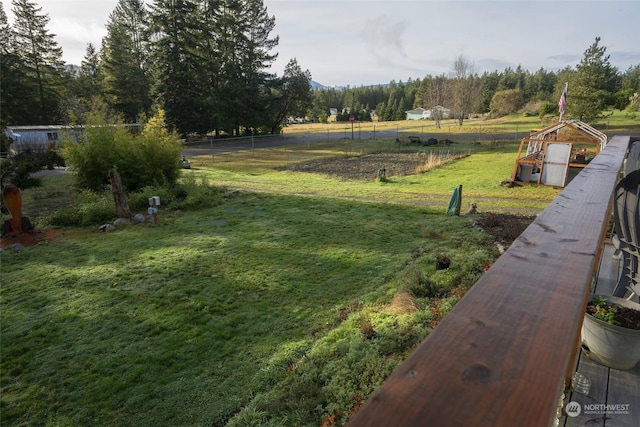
502	355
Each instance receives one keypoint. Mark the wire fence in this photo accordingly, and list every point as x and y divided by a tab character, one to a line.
294	146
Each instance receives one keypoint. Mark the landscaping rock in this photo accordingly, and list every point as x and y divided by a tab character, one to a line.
138	219
121	222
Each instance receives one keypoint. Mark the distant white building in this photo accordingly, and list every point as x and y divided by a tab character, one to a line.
417	114
43	137
443	113
37	138
424	114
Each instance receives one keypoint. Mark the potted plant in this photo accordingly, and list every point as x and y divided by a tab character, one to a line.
611	331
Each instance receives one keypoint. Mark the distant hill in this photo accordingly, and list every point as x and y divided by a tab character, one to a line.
316	85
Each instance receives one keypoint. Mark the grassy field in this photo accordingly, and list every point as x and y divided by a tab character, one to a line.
258	303
286	304
480	174
612	121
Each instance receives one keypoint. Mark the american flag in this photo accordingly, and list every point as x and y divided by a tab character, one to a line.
563	99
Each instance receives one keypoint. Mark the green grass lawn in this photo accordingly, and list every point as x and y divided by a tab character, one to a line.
480	175
288	304
188	322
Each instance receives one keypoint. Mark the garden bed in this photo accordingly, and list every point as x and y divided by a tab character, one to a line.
365	167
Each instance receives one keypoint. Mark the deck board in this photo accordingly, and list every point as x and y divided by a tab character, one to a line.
624	389
599	377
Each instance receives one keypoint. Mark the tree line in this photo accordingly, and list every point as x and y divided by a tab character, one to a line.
205	63
594	86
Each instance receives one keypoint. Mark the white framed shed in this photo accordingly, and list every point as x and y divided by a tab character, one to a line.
554	150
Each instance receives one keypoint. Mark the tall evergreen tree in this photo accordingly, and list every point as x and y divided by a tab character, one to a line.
291	97
14	92
85	89
90	75
544	83
594	79
178	61
243	30
41	65
125	58
488	87
257	59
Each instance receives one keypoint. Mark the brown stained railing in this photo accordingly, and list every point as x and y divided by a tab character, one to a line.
501	356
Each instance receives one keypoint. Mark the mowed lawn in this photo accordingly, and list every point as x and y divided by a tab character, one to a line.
284	307
183	323
480	174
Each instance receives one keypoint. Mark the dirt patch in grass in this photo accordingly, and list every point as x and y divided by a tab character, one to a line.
364	167
504	228
30	238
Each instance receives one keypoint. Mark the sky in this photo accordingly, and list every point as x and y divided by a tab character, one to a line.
367	42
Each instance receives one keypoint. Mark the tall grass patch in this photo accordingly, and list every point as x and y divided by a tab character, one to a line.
433	159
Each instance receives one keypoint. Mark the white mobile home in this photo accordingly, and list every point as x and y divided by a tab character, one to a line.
37	138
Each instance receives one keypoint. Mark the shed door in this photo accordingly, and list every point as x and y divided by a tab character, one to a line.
556	164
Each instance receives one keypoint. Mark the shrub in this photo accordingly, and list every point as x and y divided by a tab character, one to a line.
548	108
193	194
139	200
90	209
150	158
18	170
414	282
505	102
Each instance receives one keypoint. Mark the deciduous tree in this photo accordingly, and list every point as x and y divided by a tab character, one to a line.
506	102
150	158
434	92
465	89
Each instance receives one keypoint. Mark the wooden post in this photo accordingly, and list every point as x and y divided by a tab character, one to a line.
122	207
13	202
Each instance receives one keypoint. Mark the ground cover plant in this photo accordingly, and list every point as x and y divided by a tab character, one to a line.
263	310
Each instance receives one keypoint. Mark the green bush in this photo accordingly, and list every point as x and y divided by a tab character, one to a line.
548	108
198	194
188	194
91	209
150	158
139	200
18	170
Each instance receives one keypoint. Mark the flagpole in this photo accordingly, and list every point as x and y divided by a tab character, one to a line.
563	100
